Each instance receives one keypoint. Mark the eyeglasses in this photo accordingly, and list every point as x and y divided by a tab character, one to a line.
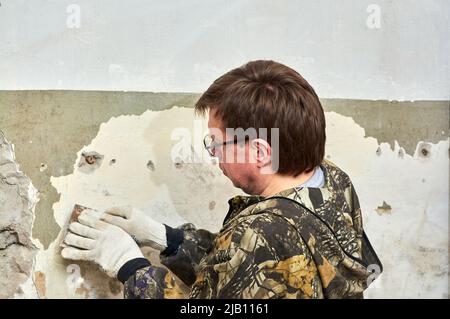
210	145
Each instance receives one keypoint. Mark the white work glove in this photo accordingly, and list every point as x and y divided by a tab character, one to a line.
141	227
91	239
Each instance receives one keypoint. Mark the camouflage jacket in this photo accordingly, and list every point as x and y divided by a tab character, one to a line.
300	243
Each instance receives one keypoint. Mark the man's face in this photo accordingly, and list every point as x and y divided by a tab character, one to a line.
243	174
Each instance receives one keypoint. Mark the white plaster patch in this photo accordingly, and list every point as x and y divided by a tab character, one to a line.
412	240
27	290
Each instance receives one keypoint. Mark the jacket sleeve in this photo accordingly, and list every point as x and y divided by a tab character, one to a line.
186	247
152	282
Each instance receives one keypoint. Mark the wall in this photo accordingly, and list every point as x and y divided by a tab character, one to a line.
385	91
181	47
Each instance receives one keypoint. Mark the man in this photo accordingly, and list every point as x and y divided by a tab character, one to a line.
298	235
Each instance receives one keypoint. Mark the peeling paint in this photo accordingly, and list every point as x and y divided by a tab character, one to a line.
18	198
406	123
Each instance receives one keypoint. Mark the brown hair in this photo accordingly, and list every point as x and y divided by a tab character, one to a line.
268	94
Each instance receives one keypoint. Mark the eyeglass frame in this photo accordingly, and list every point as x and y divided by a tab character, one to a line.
214	145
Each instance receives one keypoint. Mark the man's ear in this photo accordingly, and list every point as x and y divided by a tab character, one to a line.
261	153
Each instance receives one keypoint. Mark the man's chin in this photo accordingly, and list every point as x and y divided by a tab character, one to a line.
246	190
237	185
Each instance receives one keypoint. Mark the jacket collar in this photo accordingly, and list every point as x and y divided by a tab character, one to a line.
307	196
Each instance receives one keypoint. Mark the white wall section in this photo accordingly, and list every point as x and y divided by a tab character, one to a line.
359	49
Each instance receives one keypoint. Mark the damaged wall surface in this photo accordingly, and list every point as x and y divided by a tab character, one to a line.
18	198
117	155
